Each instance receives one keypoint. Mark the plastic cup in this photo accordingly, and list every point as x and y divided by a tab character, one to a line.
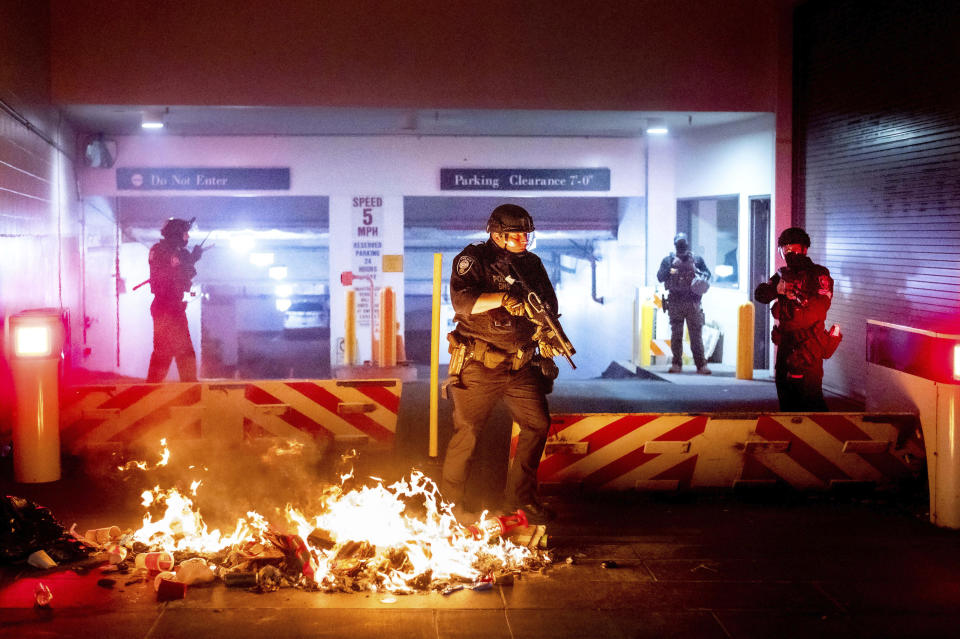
103	535
166	575
40	559
116	553
154	561
168	588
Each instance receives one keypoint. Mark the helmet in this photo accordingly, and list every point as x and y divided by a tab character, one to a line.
174	228
510	218
794	235
681	243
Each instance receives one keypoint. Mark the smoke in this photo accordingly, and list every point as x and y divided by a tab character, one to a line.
264	475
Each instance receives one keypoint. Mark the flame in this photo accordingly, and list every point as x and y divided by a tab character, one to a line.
398	538
142	465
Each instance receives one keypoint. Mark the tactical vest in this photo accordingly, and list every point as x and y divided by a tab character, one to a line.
679	282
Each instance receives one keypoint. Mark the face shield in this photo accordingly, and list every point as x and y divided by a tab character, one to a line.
518	241
792	249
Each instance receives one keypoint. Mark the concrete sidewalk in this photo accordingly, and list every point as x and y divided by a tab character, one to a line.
695	566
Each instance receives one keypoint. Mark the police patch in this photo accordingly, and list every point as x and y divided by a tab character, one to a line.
464	264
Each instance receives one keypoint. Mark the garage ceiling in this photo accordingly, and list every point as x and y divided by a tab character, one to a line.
247	121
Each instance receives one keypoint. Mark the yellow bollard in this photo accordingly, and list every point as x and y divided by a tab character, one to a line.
350	329
36	340
435	355
647	314
745	341
388	327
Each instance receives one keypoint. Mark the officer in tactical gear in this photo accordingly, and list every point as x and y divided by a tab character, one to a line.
686	278
171	272
801	293
499	358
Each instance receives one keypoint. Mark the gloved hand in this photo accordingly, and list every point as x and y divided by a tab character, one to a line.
513	304
787	288
546	350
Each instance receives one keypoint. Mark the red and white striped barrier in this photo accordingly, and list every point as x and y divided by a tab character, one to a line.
357	411
657	451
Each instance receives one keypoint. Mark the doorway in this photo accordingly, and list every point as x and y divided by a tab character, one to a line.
759	272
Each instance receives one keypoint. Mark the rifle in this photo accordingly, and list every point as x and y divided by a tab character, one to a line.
799	285
544	317
200	246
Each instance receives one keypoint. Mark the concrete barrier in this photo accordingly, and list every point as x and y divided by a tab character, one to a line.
676	451
354	411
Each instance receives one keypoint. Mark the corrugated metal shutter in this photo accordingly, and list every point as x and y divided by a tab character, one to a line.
877	171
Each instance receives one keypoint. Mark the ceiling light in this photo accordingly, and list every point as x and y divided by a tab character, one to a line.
242	243
277	272
283	290
282	303
152	119
261	259
656	126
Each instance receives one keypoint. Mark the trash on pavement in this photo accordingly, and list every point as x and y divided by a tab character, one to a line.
240	579
154	561
529	536
28	528
42	595
41	560
116	553
103	535
269	578
195	571
168	588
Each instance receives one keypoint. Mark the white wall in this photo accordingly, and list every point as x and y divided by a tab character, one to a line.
399	165
731	159
724	160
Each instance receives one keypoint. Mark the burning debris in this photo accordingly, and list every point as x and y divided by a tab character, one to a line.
397	538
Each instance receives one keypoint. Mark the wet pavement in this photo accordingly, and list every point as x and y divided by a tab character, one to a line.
718	564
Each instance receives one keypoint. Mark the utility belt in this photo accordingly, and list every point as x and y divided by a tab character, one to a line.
806	348
778	335
464	349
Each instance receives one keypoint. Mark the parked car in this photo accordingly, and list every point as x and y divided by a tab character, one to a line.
306	320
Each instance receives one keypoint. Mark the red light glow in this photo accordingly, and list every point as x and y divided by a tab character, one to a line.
956	361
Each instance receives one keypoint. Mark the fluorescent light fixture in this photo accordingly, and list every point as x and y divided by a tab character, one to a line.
283	290
282	304
657	126
242	243
261	259
277	272
152	119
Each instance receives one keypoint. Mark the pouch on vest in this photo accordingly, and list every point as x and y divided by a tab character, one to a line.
831	341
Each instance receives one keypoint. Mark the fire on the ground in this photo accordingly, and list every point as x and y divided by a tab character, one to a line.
398	538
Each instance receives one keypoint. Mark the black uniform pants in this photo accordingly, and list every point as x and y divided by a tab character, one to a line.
171	339
691	312
482	388
799	388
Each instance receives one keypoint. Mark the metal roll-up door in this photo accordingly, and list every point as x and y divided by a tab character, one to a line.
877	170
